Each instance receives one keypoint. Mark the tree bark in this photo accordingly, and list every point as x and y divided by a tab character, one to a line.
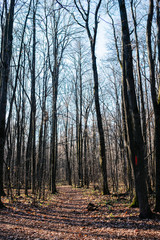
6	53
66	151
155	98
132	116
33	101
96	98
144	128
92	38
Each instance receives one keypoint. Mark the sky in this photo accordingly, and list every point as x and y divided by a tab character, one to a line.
101	41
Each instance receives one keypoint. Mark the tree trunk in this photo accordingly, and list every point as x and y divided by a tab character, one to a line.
42	139
100	126
80	170
31	151
33	102
157	119
132	116
155	98
6	53
77	127
85	136
66	151
92	38
141	98
54	133
18	159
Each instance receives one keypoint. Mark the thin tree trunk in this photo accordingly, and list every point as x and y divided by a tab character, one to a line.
18	157
85	136
77	127
33	102
54	133
30	152
66	151
92	38
80	170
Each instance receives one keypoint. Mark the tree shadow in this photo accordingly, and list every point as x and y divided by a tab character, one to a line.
59	221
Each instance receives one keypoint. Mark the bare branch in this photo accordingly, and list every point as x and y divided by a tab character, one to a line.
79	10
115	38
96	20
71	14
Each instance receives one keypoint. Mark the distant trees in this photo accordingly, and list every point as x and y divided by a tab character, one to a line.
85	15
57	36
31	147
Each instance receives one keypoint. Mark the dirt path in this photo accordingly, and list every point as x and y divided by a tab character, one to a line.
65	216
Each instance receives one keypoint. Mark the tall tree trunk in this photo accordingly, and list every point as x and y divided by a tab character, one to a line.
86	176
44	157
42	138
126	146
55	53
80	140
23	123
9	140
157	131
72	156
100	125
94	147
6	53
85	14
66	151
141	98
31	151
40	158
54	133
33	101
18	157
86	153
77	126
55	76
136	144
155	98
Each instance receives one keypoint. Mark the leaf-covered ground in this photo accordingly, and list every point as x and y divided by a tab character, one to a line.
65	216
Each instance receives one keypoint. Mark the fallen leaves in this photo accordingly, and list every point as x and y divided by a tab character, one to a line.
65	216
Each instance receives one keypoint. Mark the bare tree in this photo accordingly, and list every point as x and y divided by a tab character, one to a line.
155	96
56	46
85	15
7	19
144	127
132	116
69	177
41	165
31	148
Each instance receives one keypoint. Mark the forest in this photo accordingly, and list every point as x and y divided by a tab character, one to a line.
80	111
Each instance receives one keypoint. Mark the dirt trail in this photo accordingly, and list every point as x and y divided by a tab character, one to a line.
65	216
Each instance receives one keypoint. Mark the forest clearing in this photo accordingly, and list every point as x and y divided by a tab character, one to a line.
66	215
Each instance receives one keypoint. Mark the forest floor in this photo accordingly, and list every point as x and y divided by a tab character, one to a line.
65	216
